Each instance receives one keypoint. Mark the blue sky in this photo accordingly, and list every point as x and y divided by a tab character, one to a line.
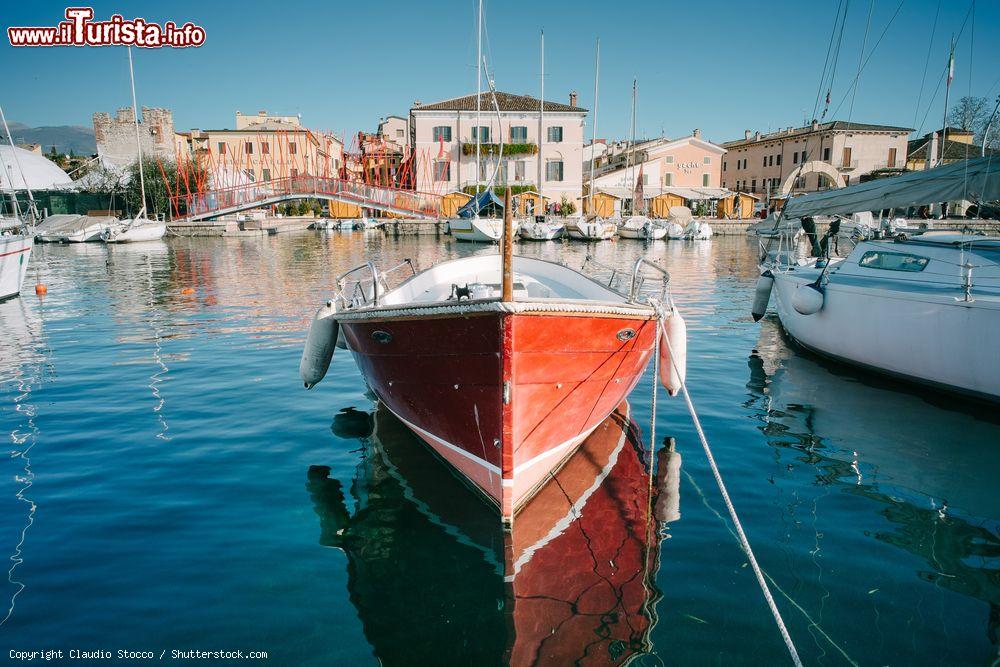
720	65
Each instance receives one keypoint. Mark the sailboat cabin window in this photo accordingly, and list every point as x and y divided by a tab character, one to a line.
892	261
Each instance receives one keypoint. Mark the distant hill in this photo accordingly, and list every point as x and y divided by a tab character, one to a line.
65	138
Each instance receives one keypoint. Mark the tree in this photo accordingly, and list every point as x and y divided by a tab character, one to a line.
969	113
157	192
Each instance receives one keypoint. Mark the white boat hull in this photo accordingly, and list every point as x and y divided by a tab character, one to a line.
654	234
481	230
540	231
137	232
591	231
15	251
936	340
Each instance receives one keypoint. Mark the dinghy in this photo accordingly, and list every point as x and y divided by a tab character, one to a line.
641	227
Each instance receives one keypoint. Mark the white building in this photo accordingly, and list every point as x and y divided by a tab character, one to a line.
443	135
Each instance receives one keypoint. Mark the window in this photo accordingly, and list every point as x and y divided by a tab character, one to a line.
483	132
723	165
892	261
249	148
222	148
519	170
706	160
399	133
555	136
847	156
519	134
795	157
292	148
779	159
892	158
803	156
669	159
705	180
668	179
295	172
753	185
765	161
265	148
442	169
265	174
250	175
554	169
826	154
847	180
442	133
645	179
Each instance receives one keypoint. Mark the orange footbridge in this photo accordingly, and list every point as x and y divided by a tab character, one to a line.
214	203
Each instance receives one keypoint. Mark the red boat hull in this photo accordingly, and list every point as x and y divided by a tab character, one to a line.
503	397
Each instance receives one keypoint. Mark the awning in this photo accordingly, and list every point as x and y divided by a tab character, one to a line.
486	202
975	180
695	194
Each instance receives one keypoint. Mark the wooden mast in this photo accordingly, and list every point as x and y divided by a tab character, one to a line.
507	251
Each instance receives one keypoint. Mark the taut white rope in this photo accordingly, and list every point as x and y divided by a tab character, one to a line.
744	542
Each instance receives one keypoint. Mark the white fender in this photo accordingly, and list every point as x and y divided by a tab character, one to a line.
807	299
762	295
319	347
673	369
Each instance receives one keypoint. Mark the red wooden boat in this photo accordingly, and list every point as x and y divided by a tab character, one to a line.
503	373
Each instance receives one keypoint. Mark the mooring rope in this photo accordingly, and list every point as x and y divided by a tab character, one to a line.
744	542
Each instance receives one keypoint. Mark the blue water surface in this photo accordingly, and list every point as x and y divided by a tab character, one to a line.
157	492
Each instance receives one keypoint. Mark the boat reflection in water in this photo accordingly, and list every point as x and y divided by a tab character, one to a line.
436	578
928	470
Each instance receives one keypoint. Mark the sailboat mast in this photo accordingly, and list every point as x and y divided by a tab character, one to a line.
541	123
593	133
947	92
138	143
479	95
632	151
10	178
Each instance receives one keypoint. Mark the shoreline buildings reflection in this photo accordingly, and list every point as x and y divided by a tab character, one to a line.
572	582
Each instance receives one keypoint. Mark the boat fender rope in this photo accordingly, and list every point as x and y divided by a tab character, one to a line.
744	542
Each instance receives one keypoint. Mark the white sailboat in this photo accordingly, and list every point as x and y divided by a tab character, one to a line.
593	228
924	308
16	232
139	228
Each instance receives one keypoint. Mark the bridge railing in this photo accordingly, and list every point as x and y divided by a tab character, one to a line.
247	195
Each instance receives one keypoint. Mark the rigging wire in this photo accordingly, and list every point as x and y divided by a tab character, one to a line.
961	31
836	61
861	55
826	61
870	54
927	62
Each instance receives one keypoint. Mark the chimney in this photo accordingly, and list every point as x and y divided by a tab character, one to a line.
815	125
756	136
262	112
417	104
932	149
746	135
572	98
697	133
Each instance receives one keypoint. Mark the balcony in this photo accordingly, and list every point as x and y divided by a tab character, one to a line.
847	165
469	148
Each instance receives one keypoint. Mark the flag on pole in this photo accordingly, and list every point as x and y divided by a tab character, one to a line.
951	64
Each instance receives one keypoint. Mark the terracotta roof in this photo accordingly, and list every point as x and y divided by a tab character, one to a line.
506	101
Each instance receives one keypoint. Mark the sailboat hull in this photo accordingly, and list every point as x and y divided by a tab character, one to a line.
504	398
15	251
146	231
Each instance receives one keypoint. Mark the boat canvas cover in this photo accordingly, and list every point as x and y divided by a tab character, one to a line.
977	179
488	203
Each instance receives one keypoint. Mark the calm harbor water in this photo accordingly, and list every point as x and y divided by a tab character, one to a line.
170	485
